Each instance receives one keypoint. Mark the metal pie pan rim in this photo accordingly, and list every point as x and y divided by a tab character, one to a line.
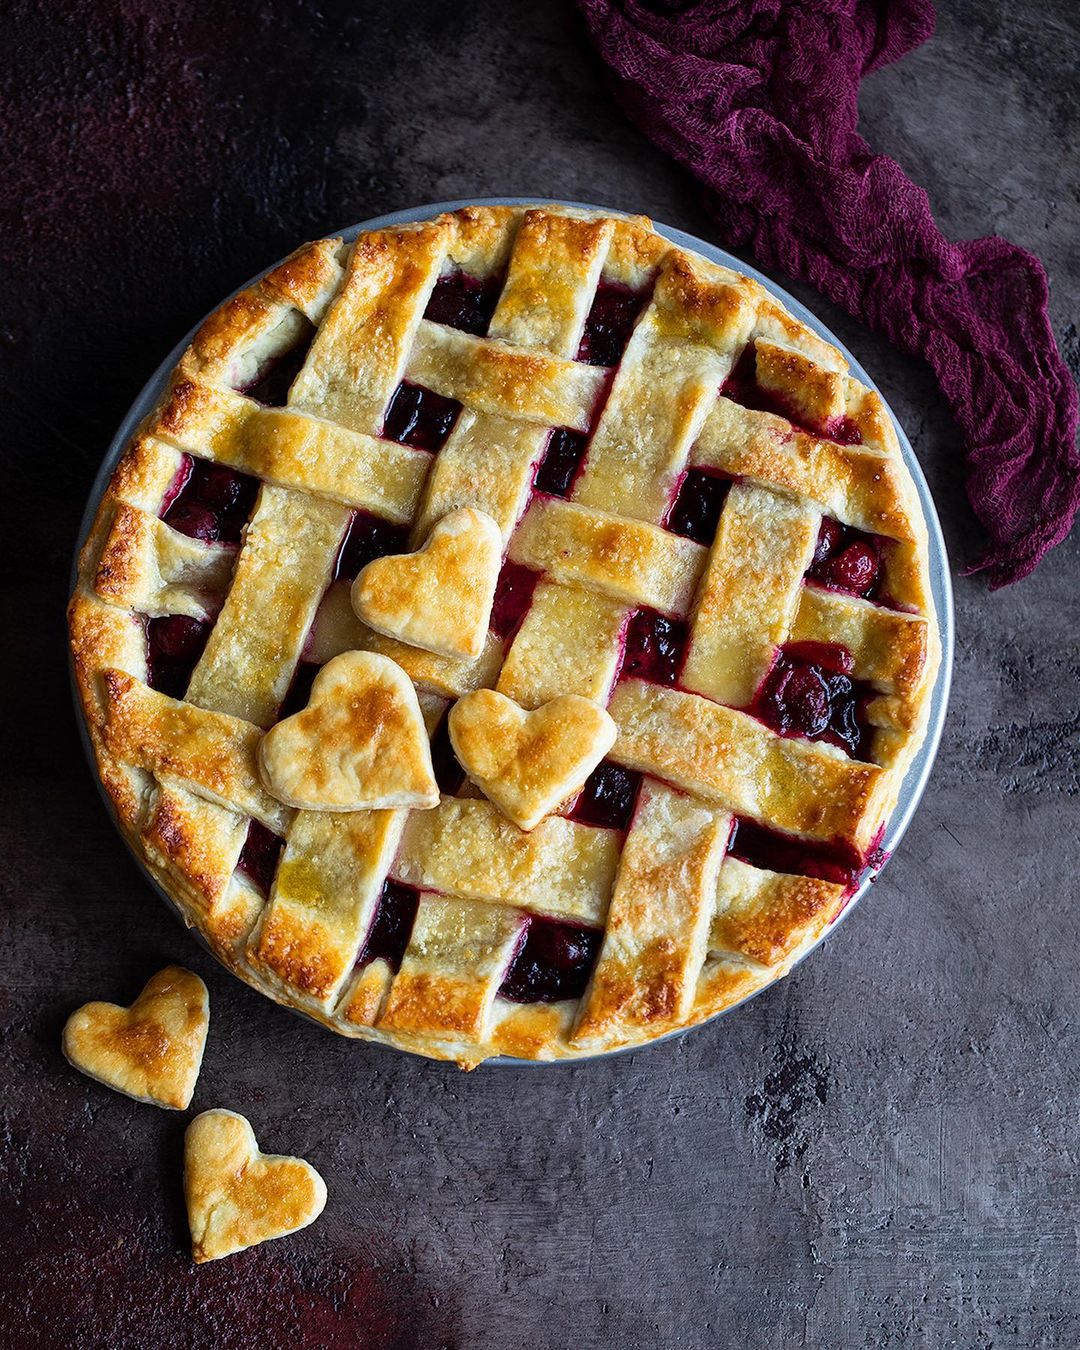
915	781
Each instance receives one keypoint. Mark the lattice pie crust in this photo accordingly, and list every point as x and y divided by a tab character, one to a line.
707	530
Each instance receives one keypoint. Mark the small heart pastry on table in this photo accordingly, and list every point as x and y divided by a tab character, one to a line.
151	1051
440	597
238	1197
527	763
360	744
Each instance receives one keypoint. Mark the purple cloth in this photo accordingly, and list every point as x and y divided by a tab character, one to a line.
758	98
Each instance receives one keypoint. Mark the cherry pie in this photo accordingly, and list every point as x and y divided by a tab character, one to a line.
508	635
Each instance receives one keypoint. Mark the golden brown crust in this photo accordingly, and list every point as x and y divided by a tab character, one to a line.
238	1197
183	776
359	745
438	598
529	762
151	1051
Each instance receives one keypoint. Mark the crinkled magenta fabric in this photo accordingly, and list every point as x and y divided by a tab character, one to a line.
758	98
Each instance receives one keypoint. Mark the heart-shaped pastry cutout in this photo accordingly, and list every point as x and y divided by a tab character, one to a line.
529	762
151	1051
238	1197
440	597
360	744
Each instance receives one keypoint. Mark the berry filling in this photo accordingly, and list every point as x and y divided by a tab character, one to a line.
448	772
392	926
300	689
562	460
775	852
465	302
608	797
742	387
655	647
260	854
809	692
513	596
846	560
174	645
695	512
611	321
368	537
552	963
419	418
271	387
213	504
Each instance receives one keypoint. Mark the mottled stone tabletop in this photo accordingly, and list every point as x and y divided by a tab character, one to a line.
879	1151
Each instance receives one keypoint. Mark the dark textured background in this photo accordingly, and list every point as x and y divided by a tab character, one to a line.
880	1151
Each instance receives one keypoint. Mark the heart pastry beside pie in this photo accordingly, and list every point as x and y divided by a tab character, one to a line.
507	636
151	1051
237	1196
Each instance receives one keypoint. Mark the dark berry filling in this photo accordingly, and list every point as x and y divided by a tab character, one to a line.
272	386
173	647
259	858
562	460
368	537
776	852
213	504
553	962
695	512
742	387
448	772
608	797
300	689
392	926
513	596
809	692
465	302
655	647
611	321
845	430
420	418
846	560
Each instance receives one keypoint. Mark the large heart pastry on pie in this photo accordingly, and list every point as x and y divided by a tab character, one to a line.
238	1197
440	597
529	762
360	744
151	1051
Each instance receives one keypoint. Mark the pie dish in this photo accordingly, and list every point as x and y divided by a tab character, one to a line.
711	616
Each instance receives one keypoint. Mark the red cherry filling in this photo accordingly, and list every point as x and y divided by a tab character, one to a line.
368	537
562	459
655	647
553	962
513	596
608	797
695	512
173	647
448	772
213	504
809	692
465	302
259	858
761	847
392	926
419	418
742	387
300	689
846	560
611	320
845	430
272	385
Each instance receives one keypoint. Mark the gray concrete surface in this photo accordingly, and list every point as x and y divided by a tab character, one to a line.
880	1151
